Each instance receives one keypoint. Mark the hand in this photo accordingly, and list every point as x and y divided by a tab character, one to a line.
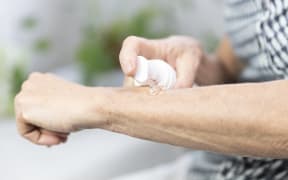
49	108
182	53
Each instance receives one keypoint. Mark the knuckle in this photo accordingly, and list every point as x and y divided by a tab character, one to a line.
17	97
25	115
121	57
19	100
130	42
22	100
25	85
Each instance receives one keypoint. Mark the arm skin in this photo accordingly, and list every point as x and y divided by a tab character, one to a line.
244	119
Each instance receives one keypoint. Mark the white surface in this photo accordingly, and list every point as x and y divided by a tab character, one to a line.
176	170
93	154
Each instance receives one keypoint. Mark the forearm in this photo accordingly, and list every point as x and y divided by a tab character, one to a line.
234	119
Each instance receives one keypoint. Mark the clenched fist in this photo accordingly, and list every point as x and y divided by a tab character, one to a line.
49	108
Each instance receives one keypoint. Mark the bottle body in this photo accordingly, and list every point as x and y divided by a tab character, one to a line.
154	73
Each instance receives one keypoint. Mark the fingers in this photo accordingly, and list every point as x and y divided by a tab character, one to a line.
128	54
44	137
49	138
37	135
135	46
186	65
32	121
22	127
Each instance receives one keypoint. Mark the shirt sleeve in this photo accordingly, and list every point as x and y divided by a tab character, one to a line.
273	36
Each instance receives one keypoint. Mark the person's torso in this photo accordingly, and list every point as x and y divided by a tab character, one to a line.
258	31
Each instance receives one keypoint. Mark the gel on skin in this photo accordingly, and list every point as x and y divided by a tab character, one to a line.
154	73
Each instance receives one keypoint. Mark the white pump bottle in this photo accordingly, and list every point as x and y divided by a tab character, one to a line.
154	73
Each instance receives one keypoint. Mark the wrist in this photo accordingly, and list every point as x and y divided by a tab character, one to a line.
113	104
96	108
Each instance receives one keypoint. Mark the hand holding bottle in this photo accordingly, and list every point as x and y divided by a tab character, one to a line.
184	54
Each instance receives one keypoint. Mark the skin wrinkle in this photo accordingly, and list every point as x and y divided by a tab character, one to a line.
192	136
250	131
32	134
179	130
174	114
174	132
198	125
160	51
248	134
280	146
168	134
219	137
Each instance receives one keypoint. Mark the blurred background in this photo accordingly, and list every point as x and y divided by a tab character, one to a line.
79	40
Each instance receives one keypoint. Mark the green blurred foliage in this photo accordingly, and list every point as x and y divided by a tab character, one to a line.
100	47
29	23
13	72
18	76
42	45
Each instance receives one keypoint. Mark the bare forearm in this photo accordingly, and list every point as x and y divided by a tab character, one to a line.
245	119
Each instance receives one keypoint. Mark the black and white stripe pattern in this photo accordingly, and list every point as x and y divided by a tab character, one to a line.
273	36
258	30
254	169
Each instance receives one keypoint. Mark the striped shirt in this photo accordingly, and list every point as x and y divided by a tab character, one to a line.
258	30
259	34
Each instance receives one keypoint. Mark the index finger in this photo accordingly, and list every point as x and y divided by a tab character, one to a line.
128	55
